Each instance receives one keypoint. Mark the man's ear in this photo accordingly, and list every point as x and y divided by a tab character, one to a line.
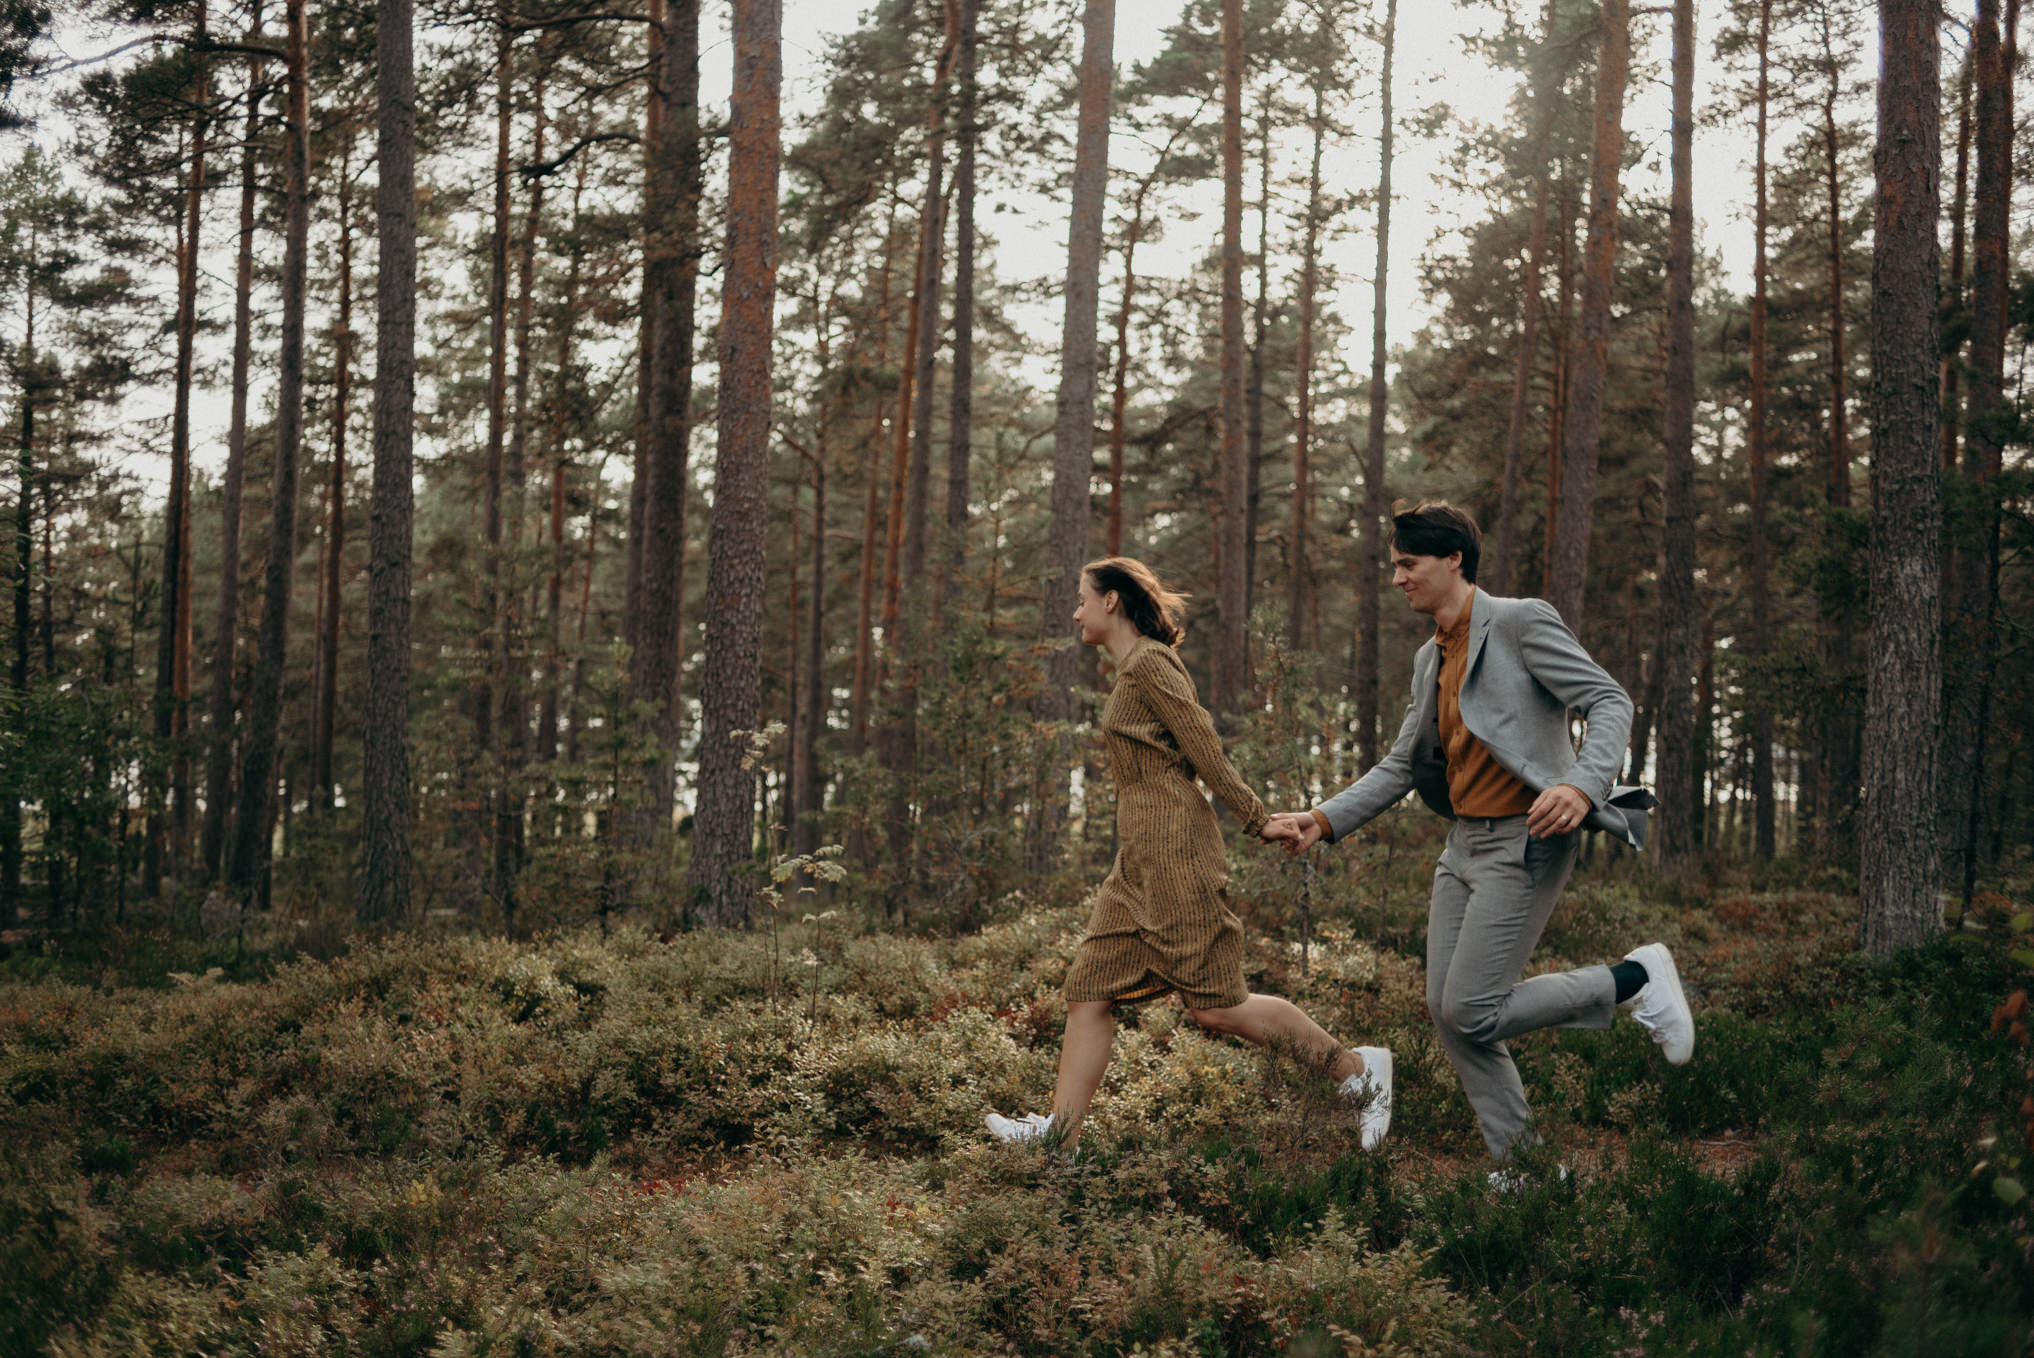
1455	562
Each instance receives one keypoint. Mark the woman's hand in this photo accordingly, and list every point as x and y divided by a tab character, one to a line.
1297	830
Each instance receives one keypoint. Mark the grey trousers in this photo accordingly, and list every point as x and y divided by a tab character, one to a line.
1493	891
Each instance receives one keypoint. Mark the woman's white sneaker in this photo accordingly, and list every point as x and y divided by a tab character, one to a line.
1371	1086
1030	1127
1660	1006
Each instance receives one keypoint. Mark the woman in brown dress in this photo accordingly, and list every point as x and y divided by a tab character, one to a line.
1162	923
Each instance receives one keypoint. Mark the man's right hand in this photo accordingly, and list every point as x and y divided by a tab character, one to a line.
1298	829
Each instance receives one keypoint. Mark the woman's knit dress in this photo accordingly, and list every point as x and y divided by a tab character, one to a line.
1162	920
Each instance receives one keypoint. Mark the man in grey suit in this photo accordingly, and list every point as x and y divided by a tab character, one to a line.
1485	743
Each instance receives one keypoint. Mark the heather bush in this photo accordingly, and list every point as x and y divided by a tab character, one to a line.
612	1141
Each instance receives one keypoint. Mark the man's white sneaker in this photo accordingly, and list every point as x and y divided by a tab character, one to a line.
1659	1006
1371	1085
1505	1182
1030	1127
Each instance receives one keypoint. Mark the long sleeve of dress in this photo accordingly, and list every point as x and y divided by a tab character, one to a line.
1169	690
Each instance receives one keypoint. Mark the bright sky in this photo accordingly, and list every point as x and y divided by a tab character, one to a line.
1433	68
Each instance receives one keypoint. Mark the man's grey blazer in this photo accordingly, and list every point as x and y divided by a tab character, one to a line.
1526	672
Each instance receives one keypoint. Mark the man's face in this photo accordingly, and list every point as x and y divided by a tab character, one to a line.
1426	581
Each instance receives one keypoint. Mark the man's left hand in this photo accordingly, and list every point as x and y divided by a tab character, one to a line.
1557	811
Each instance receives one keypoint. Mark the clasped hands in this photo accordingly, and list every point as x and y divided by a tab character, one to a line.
1559	810
1297	830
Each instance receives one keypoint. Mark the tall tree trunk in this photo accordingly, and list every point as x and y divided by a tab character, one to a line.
1253	437
325	700
226	627
1119	397
1987	418
1232	593
1836	786
1073	430
24	563
1303	423
729	690
654	269
1674	664
1952	353
1760	712
1374	537
672	240
1564	352
560	396
1584	419
511	717
811	711
858	701
173	648
485	697
961	401
385	721
901	631
1899	869
250	871
1496	572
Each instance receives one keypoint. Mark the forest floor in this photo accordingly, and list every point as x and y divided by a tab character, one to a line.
634	1143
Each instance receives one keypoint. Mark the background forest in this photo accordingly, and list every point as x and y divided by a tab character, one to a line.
639	514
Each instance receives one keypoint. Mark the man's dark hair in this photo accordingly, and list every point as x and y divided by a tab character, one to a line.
1437	528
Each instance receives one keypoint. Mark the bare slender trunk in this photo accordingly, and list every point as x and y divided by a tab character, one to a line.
1497	569
24	565
1837	765
250	863
226	628
1073	456
1303	423
1232	594
173	649
326	693
961	401
1760	714
655	271
1375	537
511	717
1987	418
554	592
858	730
1900	868
385	722
719	890
1584	420
1253	437
1674	664
672	241
901	632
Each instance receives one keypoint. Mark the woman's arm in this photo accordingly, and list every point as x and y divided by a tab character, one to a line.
1169	691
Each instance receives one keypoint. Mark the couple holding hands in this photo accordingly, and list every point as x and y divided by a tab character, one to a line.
1485	743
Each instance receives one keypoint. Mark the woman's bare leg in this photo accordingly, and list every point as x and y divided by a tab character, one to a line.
1083	1056
1262	1017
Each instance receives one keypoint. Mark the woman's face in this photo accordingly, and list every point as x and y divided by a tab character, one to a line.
1094	613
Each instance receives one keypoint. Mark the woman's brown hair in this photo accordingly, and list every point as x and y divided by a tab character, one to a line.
1152	609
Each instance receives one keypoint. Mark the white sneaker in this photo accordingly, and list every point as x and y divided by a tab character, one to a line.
1505	1182
1660	1007
1030	1127
1371	1085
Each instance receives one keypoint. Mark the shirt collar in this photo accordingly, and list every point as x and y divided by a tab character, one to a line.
1454	636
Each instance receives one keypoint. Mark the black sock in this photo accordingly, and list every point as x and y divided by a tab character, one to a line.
1629	977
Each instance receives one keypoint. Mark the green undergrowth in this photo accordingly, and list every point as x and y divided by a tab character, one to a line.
719	1145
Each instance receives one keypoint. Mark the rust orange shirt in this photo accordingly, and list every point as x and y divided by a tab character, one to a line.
1477	784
